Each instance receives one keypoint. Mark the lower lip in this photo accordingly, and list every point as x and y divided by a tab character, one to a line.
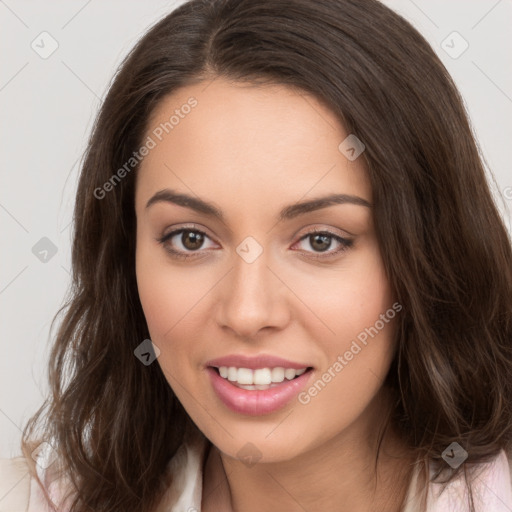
257	402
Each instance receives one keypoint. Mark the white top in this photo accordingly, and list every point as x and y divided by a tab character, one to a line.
19	492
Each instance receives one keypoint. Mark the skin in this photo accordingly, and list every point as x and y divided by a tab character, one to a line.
252	150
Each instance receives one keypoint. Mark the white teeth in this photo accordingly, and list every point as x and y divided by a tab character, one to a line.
232	374
244	376
277	374
259	377
289	373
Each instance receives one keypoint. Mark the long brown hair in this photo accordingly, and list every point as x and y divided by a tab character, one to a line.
445	248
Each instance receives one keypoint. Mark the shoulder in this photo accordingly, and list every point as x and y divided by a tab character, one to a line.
15	483
21	491
491	486
186	474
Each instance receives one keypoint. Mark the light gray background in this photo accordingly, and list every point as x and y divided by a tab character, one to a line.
47	110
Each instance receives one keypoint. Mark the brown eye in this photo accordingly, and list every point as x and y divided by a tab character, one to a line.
320	242
317	242
185	243
192	240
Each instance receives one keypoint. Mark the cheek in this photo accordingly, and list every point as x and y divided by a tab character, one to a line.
357	308
347	384
170	296
366	296
345	300
343	390
169	299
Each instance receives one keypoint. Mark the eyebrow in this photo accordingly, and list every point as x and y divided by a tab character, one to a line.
287	213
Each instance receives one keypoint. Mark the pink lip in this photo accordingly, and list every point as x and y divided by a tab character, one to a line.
257	402
255	362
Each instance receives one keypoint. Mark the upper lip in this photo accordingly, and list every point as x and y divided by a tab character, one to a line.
255	362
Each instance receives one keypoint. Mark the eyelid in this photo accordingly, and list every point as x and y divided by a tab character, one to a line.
315	228
186	227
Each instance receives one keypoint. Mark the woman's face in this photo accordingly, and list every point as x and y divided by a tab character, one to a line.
249	280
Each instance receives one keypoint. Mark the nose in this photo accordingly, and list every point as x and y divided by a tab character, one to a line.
252	298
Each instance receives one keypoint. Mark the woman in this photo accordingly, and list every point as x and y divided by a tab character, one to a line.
292	288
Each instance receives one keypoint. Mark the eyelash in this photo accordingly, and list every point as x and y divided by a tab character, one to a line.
345	243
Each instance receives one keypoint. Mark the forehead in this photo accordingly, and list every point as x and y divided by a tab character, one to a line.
249	144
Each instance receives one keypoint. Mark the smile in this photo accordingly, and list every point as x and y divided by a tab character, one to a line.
261	378
257	399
